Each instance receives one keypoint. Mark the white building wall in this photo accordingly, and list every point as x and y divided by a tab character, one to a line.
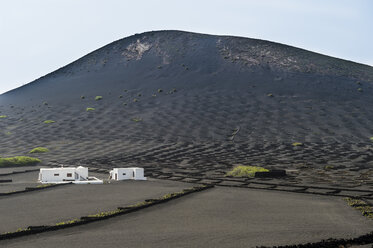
57	174
134	173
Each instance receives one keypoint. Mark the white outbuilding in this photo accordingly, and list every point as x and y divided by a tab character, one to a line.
78	175
133	173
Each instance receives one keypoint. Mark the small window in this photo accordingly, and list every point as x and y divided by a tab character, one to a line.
69	175
124	174
56	175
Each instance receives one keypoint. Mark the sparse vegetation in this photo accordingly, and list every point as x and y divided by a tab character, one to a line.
371	138
136	119
297	144
362	206
19	161
82	97
245	171
90	109
44	185
3	116
49	121
270	95
360	89
67	222
39	150
98	98
329	167
120	96
135	100
160	90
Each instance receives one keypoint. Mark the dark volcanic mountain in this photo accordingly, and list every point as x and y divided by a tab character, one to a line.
173	99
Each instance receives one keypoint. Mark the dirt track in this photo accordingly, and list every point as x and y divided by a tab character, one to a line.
218	217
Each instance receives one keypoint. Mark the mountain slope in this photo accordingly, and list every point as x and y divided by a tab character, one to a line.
175	98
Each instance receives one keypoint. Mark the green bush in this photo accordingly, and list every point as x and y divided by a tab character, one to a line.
136	119
297	144
90	109
245	171
39	150
3	116
19	161
97	98
49	121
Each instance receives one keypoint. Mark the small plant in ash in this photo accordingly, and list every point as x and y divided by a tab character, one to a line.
39	150
297	144
90	109
245	171
136	119
98	98
3	116
49	121
19	161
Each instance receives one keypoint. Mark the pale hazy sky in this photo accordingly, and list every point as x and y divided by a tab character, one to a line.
39	36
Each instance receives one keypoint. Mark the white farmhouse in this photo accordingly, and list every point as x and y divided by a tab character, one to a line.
134	173
77	175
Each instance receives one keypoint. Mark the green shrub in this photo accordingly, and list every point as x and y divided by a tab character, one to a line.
245	171
297	144
3	116
160	90
371	138
360	89
136	119
39	150
270	95
97	98
329	167
82	97
67	222
135	100
49	121
90	109
19	161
